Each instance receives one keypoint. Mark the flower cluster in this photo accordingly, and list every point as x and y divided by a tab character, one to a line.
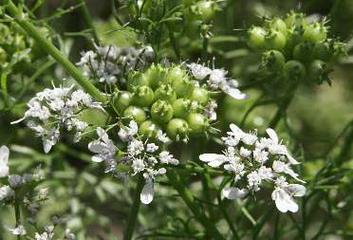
295	48
255	161
108	64
52	109
141	157
173	99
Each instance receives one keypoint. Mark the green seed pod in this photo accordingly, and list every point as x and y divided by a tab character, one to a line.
135	80
94	116
275	40
149	129
161	111
322	51
256	38
155	76
177	129
294	70
180	81
295	20
122	100
165	92
143	96
273	60
181	107
319	71
200	95
303	52
205	10
135	113
198	123
277	24
316	32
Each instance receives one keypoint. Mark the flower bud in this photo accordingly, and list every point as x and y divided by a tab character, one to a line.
135	80
256	38
165	92
122	100
273	60
198	123
149	129
177	129
135	113
180	81
143	96
303	52
277	24
319	71
295	20
294	70
155	76
181	107
200	95
315	32
275	40
161	111
205	10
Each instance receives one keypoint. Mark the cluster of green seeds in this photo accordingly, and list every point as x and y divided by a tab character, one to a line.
295	48
164	98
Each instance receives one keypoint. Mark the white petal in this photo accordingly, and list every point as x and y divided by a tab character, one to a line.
47	145
96	146
97	159
235	93
296	190
213	159
4	159
291	159
235	129
147	193
234	193
272	134
284	202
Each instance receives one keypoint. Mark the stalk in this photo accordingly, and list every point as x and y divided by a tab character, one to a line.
24	22
88	19
134	210
188	198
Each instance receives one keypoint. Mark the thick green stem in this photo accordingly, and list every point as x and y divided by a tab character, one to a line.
46	45
134	210
189	201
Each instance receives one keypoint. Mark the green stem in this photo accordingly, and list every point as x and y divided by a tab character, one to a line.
88	19
134	210
190	203
17	214
3	84
24	22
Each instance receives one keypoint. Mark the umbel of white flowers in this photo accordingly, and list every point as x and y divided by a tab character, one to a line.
52	109
253	161
141	157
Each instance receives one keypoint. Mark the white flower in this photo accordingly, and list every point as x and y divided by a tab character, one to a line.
103	147
18	231
213	159
127	133
138	165
166	158
283	197
234	193
6	193
277	148
260	155
254	180
135	147
86	58
4	160
147	192
199	71
281	167
151	147
244	152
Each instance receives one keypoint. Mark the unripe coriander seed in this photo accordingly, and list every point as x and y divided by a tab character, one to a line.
135	113
161	111
197	123
122	100
149	129
177	129
143	96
